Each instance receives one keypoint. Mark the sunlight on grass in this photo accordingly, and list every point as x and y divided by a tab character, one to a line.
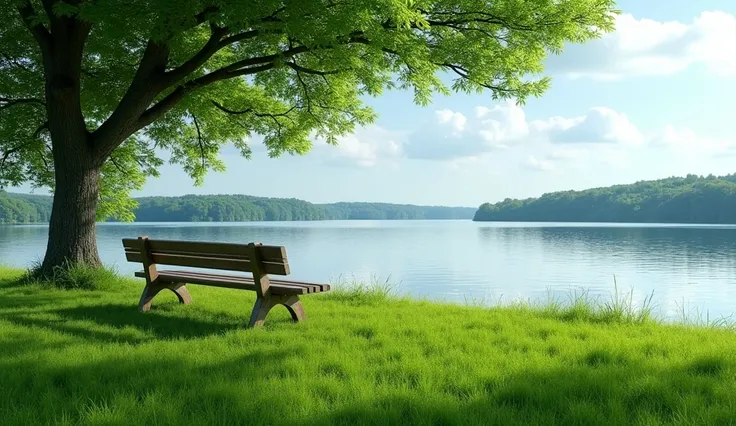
364	356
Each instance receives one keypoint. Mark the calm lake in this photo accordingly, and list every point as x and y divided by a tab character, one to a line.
460	261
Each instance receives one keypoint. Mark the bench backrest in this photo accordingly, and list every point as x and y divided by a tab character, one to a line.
254	257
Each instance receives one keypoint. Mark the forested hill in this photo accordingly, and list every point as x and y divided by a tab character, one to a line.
24	208
692	199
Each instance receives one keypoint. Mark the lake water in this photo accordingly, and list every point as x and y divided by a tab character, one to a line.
690	266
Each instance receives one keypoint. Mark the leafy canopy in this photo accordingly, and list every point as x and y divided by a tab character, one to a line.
211	72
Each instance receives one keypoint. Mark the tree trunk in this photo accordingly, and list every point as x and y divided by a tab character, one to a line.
72	230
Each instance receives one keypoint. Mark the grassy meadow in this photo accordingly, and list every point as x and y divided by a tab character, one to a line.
364	356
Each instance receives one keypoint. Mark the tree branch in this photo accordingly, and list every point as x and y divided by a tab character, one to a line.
465	73
216	43
296	67
8	102
458	22
134	111
288	53
205	53
117	166
250	110
170	101
201	17
8	153
34	25
307	98
247	35
41	128
43	157
279	125
199	138
146	84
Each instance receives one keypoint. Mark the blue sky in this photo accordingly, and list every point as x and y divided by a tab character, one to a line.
652	100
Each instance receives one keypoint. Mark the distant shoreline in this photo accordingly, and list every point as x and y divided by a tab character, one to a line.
36	209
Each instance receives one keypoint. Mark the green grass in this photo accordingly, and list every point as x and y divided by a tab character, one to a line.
365	356
71	276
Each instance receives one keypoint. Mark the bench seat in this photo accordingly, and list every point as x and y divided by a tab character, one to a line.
278	287
260	261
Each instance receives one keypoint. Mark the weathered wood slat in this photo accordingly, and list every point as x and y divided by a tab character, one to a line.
208	262
317	286
239	283
268	253
185	275
219	256
310	287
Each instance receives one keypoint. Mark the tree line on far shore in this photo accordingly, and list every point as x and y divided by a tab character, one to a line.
27	208
690	199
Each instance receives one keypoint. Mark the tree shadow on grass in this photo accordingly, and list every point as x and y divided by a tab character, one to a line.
14	282
139	389
30	300
114	317
20	344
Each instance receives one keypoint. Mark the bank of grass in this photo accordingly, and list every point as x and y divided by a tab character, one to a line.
364	356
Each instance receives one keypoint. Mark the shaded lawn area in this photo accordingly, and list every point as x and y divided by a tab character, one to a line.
88	357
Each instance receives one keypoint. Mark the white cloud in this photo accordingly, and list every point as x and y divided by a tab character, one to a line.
455	121
533	163
502	124
599	125
502	134
367	147
498	128
642	47
453	135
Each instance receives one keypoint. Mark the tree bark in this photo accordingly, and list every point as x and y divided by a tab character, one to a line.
72	229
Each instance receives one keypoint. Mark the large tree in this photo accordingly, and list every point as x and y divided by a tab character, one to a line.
92	90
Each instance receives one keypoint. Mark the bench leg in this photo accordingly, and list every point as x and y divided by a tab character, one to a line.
264	304
151	290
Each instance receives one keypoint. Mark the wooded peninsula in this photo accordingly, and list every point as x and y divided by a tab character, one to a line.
691	199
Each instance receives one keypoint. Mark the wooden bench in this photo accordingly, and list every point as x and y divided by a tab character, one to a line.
255	258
